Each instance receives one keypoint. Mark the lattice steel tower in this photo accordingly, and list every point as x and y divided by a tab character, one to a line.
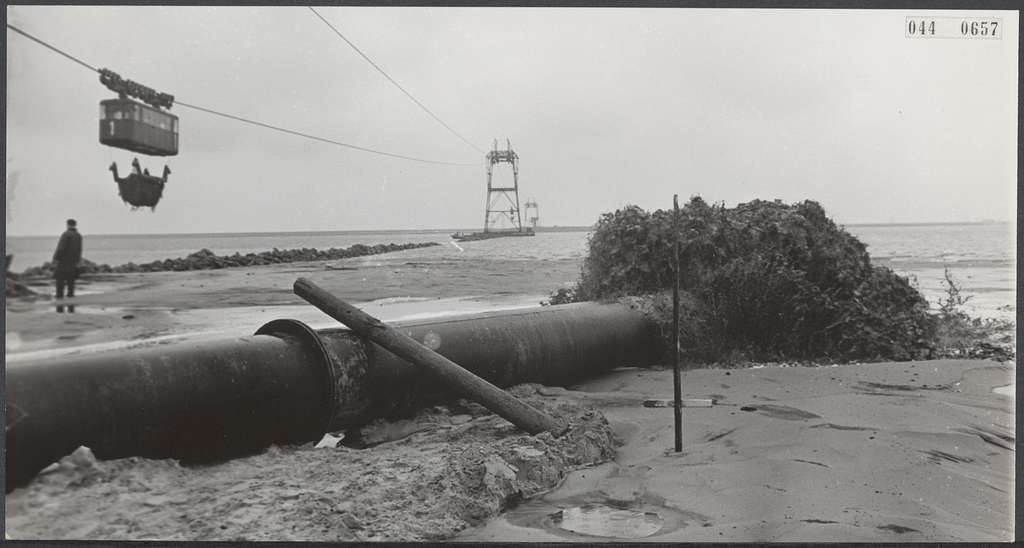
511	193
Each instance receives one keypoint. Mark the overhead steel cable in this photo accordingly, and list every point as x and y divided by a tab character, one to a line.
392	80
65	54
315	138
246	120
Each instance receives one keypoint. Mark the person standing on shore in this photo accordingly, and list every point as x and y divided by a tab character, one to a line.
65	260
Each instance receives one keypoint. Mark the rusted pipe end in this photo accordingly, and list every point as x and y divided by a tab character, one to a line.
309	337
345	367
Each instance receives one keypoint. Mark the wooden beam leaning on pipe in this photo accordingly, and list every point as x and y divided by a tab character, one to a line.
479	390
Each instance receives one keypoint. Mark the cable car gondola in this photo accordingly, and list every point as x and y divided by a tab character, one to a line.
139	127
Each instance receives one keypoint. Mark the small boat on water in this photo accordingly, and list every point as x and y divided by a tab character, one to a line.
488	234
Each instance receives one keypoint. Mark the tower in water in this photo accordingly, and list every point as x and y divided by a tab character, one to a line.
502	216
502	201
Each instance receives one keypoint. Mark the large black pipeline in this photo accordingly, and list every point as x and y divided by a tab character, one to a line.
288	383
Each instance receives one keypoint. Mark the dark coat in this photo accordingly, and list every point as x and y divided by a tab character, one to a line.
68	254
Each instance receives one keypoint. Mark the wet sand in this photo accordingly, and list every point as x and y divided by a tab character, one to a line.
887	452
132	310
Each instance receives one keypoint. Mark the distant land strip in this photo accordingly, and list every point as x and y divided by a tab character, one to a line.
943	223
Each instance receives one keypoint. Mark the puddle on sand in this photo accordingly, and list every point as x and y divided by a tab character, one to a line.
599	520
1008	390
587	516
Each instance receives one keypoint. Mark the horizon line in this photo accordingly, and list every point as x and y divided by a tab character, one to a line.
560	228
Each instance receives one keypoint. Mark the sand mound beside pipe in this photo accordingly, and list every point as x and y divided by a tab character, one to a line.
449	468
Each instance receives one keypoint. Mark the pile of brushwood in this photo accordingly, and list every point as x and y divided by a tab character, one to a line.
764	281
204	259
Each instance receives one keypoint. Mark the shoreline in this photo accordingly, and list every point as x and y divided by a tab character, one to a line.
161	325
148	306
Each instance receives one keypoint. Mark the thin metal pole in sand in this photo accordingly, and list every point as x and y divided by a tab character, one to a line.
676	381
493	398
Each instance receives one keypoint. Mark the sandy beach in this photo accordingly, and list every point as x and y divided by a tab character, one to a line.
886	452
910	451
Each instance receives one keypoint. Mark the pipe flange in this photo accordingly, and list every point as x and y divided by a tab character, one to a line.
309	336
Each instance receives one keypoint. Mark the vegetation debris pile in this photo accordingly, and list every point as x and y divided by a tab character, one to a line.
761	281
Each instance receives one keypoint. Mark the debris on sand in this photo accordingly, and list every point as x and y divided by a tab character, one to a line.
424	478
13	287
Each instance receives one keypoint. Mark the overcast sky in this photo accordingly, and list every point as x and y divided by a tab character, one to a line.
605	107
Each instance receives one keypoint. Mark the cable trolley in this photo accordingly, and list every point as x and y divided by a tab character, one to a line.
139	127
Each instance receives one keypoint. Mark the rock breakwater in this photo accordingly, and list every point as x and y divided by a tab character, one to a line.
204	259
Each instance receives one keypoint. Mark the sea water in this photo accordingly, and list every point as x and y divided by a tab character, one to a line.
981	257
